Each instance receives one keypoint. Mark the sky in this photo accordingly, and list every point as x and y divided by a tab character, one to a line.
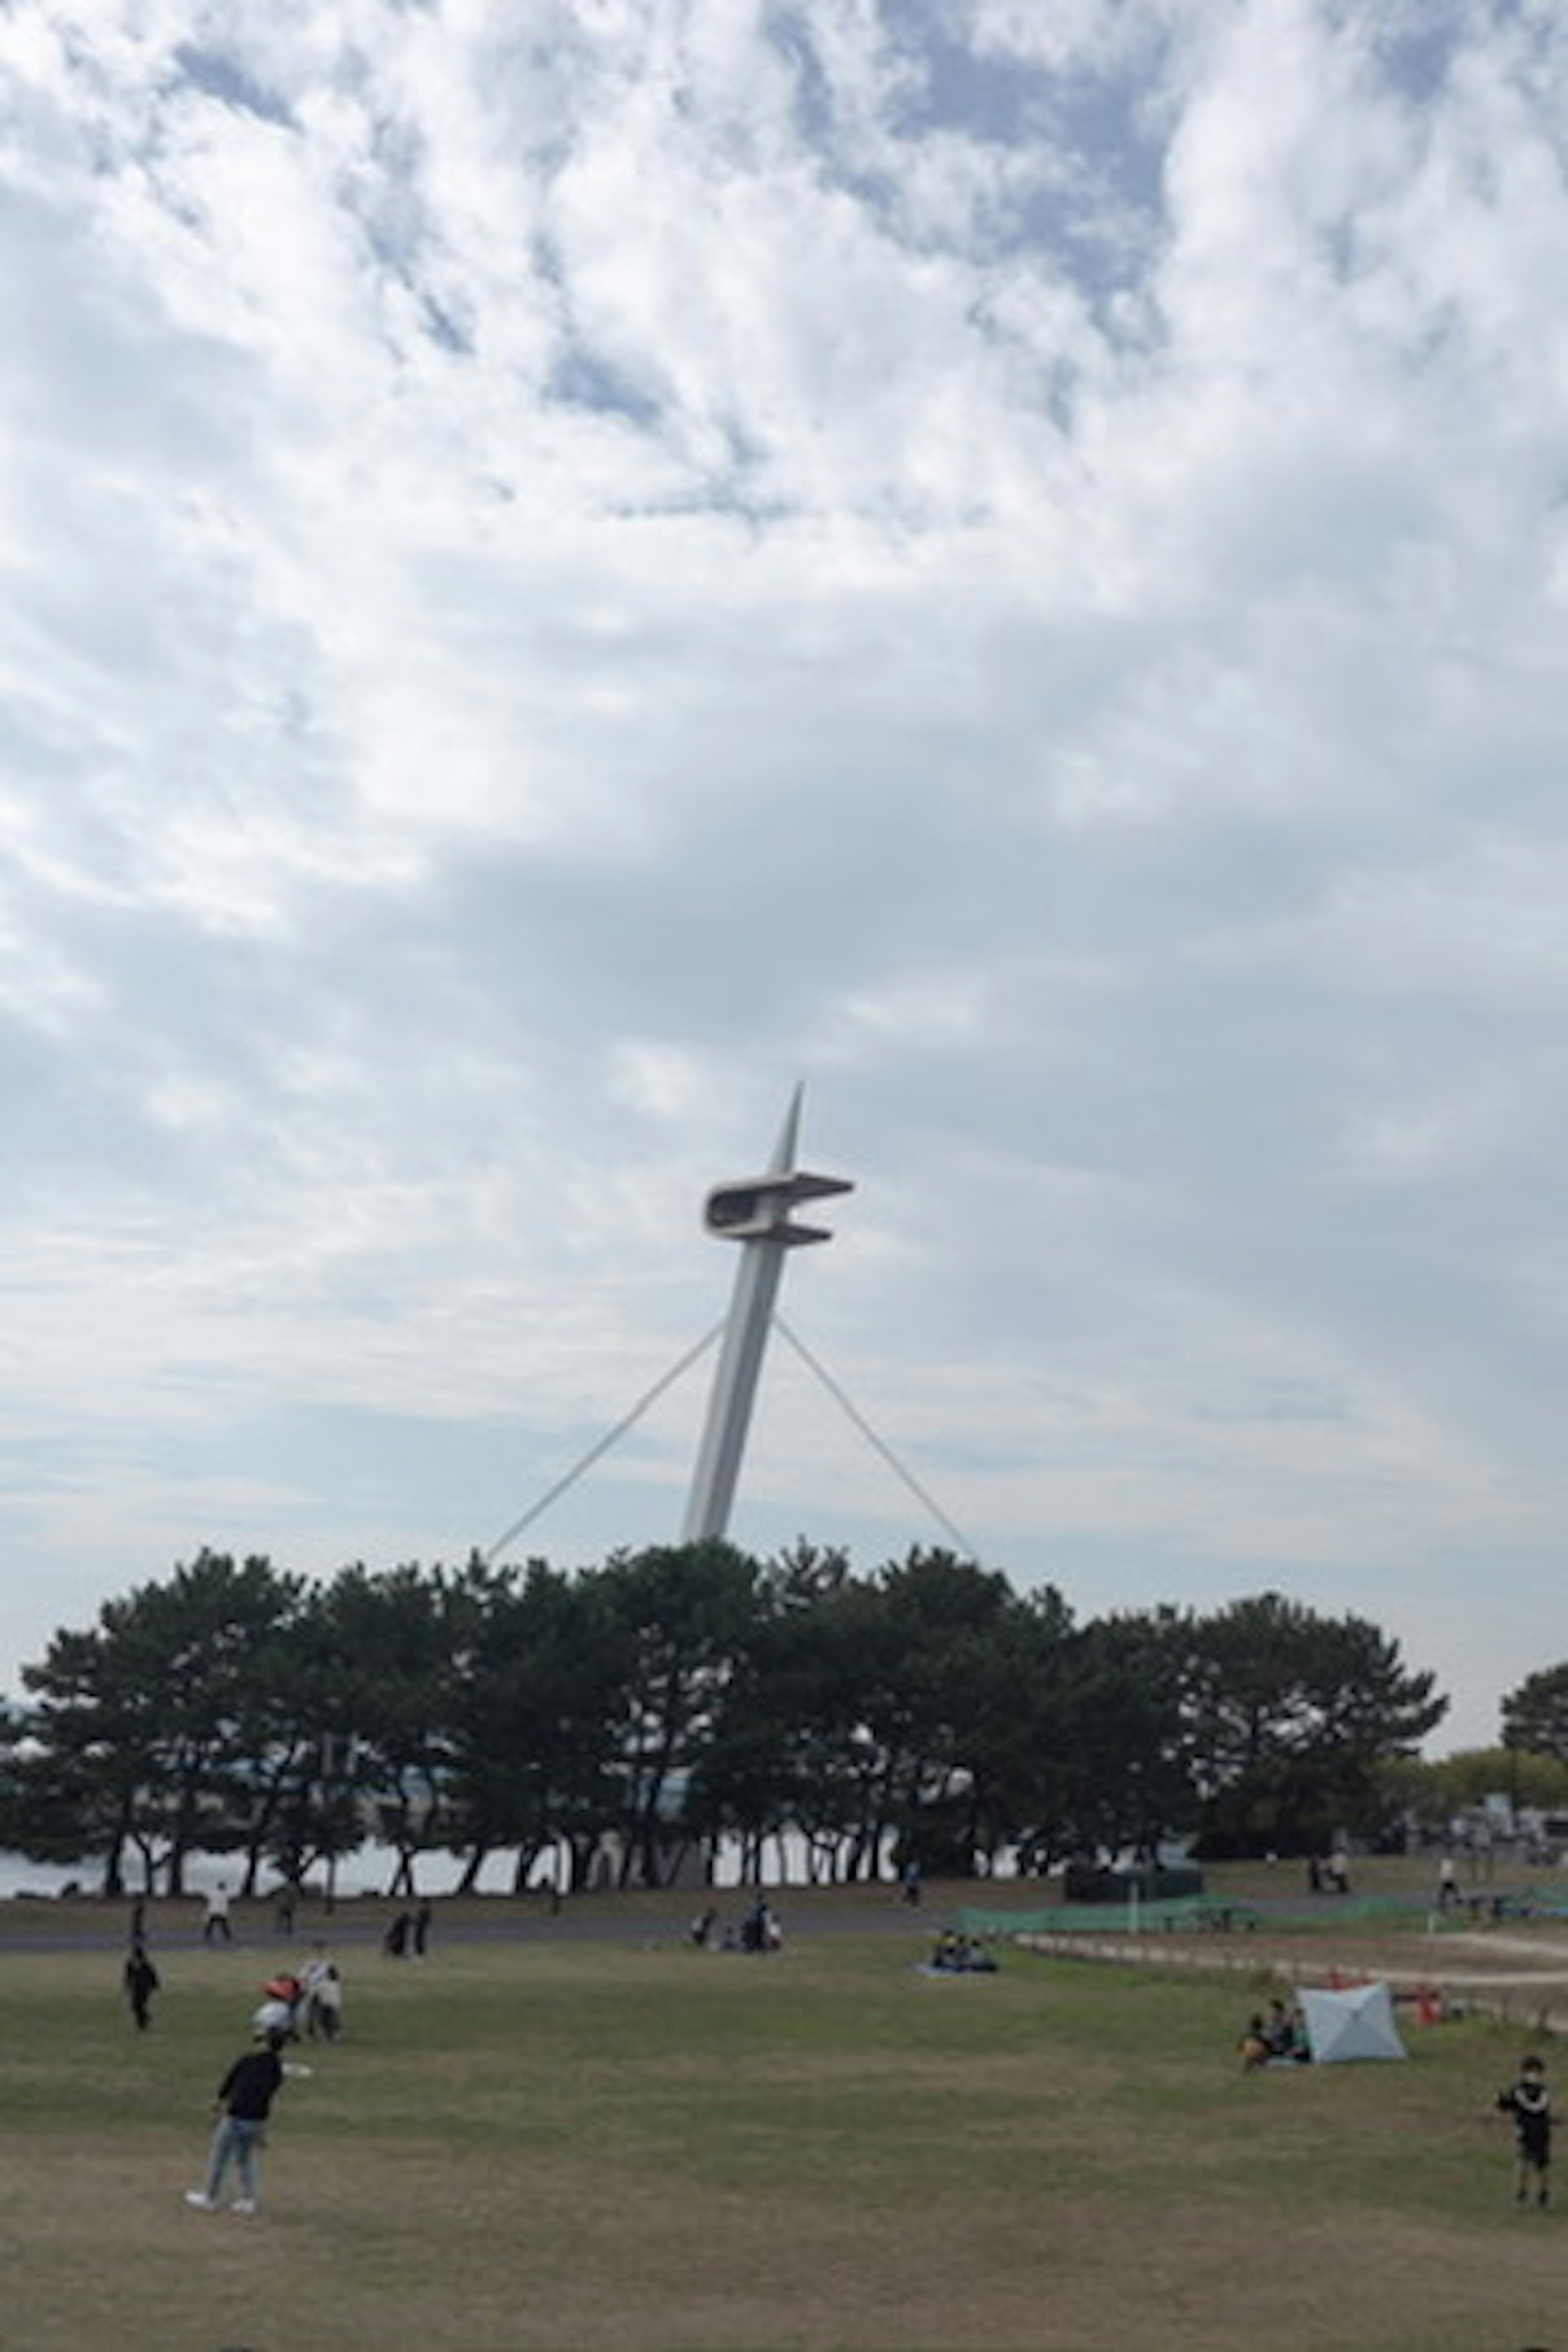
569	568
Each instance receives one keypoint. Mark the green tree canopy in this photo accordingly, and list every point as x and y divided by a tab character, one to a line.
1291	1714
687	1693
1535	1716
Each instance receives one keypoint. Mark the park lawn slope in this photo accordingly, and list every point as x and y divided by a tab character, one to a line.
634	2145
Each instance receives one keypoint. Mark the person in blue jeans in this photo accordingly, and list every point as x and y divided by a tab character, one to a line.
244	2102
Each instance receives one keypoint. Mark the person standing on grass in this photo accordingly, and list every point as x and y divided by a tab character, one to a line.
324	1996
141	1984
215	1926
1529	2102
244	2102
421	1931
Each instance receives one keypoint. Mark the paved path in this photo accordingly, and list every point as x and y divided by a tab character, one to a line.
360	1923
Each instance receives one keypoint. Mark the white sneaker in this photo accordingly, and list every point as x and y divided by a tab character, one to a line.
199	2197
243	2205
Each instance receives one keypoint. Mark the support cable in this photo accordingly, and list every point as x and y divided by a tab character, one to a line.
611	1437
878	1443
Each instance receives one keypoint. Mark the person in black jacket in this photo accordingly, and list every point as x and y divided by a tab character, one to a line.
141	1984
1529	2102
244	2102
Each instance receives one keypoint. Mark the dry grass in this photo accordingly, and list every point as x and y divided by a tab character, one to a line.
528	2145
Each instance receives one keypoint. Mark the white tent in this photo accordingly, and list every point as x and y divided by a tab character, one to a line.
1355	2025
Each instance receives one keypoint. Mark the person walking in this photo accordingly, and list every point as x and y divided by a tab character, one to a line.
324	1996
1529	2102
243	2104
141	1984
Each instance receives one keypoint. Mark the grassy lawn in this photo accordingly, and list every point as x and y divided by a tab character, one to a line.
625	2143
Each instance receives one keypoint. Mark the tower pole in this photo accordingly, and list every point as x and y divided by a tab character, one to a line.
755	1211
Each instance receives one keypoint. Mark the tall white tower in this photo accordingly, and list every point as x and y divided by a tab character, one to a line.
754	1212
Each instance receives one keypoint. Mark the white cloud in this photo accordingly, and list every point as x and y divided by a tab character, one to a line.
1007	561
1482	924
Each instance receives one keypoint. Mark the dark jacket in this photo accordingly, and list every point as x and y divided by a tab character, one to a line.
248	2089
1530	2103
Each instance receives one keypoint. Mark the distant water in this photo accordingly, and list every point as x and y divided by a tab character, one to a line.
20	1877
368	1871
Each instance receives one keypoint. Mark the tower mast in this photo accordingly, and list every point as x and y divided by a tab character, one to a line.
755	1211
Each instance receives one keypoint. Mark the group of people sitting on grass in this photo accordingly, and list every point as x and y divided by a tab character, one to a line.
961	1955
1278	2038
759	1931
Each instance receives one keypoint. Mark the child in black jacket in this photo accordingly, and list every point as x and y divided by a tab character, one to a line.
1529	2102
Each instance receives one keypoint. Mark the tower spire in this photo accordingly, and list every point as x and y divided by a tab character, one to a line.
755	1211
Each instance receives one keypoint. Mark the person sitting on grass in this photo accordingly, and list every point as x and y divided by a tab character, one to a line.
1254	2045
956	1955
1280	2031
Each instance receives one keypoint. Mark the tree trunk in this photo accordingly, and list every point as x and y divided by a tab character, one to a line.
528	1853
257	1834
479	1854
